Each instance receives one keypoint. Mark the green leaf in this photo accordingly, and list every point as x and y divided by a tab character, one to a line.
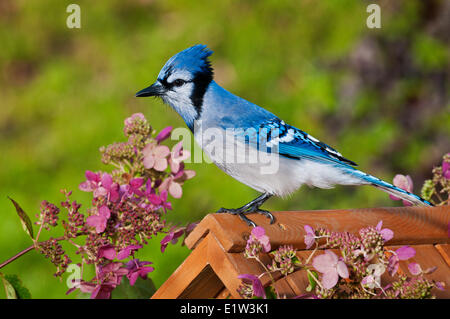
25	220
9	289
270	292
312	282
21	291
142	289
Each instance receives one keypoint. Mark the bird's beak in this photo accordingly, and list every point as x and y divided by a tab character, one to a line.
156	89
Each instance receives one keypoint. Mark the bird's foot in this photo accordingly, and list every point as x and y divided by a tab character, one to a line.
241	212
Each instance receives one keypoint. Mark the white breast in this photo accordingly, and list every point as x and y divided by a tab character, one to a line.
267	172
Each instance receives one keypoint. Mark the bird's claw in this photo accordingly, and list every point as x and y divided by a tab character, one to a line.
265	213
242	213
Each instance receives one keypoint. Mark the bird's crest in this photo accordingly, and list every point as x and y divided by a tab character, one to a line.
193	59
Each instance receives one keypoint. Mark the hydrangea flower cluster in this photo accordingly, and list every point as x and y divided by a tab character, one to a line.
342	265
127	210
435	190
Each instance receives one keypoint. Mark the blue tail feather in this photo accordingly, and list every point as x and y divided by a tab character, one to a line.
391	189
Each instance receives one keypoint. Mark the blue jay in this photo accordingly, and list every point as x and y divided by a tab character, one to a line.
186	84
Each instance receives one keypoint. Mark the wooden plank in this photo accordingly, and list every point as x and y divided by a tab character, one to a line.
444	250
205	285
284	289
228	266
185	274
224	294
411	225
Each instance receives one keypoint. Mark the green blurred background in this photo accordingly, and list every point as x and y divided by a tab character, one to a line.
380	96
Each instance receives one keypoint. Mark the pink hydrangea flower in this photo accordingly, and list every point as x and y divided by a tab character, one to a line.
99	221
171	237
331	267
310	237
138	269
403	253
173	183
108	277
386	233
133	187
446	168
101	186
91	183
155	156
415	269
373	279
405	183
107	251
130	120
259	234
258	289
177	156
127	251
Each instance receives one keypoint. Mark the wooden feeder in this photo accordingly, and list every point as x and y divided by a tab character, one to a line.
218	242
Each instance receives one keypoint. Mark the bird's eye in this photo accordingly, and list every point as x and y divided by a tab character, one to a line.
179	82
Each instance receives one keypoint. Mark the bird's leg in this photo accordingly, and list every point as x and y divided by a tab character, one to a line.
251	207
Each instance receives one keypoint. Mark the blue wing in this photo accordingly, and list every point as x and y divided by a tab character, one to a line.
276	136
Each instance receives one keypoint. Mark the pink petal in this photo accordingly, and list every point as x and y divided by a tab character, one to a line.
367	280
104	211
265	243
99	222
322	263
333	257
160	164
101	191
154	199
342	269
148	149
403	182
164	134
258	231
393	265
188	174
174	165
176	149
414	268
86	186
107	252
91	176
137	182
165	184
387	234
163	196
446	169
330	279
308	229
379	225
406	203
107	181
405	252
149	161
133	277
161	151
309	240
175	190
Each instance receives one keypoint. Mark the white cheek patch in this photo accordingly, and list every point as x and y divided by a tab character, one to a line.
180	99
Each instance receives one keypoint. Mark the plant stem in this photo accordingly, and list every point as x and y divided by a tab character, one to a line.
23	252
34	246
